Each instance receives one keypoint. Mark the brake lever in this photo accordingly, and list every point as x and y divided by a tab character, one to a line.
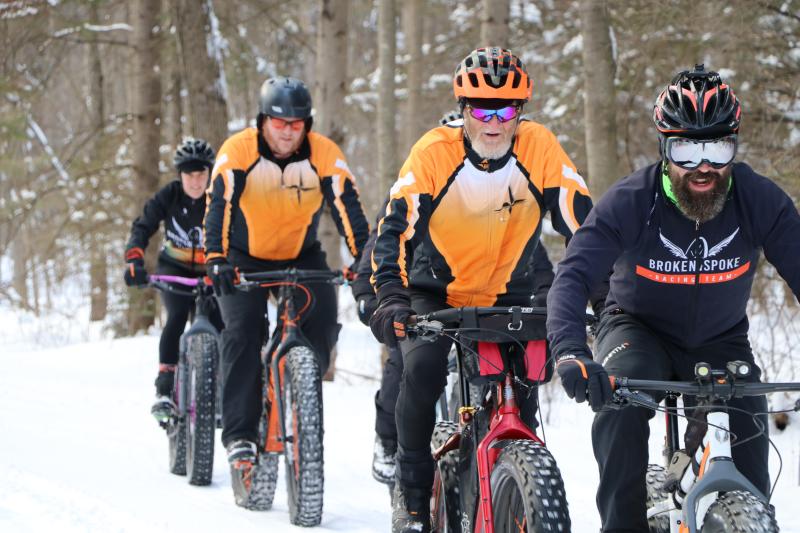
427	330
624	396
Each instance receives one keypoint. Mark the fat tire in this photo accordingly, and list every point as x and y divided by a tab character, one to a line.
304	455
176	428
445	501
526	478
202	360
656	476
263	481
739	512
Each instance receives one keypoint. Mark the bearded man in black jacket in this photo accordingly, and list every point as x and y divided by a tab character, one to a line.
682	238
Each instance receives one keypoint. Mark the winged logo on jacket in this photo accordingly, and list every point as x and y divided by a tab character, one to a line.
698	248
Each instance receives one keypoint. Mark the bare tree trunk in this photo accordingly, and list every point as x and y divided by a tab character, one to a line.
202	71
174	79
20	277
387	28
331	83
494	23
146	133
97	262
331	86
412	28
600	105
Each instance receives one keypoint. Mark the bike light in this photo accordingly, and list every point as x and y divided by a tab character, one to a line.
702	370
739	369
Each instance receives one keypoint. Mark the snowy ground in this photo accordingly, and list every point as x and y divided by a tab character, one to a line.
80	452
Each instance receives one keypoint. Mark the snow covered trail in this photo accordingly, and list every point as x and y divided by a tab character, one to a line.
80	452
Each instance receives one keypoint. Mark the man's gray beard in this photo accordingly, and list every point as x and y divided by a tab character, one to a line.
488	153
701	207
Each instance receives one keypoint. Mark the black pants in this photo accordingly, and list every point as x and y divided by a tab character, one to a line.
245	330
619	437
386	397
178	308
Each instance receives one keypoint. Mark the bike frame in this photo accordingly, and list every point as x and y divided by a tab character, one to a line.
200	323
505	424
280	342
717	471
286	335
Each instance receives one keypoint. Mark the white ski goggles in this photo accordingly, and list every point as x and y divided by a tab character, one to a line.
691	153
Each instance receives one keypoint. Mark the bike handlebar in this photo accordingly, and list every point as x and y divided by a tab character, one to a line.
181	280
433	323
291	275
712	388
166	283
456	314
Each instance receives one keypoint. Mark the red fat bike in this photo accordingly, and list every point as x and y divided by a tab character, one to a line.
493	473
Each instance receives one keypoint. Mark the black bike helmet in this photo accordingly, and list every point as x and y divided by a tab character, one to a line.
284	97
697	104
193	154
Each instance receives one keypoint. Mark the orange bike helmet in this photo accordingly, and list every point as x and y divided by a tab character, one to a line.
492	73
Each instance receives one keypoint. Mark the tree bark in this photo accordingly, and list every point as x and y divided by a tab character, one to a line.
387	26
202	71
599	96
494	23
98	275
146	133
331	86
412	28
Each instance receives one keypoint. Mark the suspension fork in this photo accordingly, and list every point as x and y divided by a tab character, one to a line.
289	331
672	438
505	424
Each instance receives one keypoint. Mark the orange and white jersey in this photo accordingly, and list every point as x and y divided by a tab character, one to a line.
268	209
465	228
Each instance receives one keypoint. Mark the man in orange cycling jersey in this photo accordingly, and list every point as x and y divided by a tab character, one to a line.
463	220
265	201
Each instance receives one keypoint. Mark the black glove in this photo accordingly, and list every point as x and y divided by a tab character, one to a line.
388	322
135	273
223	276
582	377
366	305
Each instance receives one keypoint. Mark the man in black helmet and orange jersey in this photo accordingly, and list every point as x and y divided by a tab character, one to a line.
265	201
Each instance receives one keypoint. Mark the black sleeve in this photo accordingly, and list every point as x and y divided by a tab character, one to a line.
611	226
779	229
362	283
155	210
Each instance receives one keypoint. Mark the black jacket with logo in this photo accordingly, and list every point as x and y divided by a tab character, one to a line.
689	282
183	228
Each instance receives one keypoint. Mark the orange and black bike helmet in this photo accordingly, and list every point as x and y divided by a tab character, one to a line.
492	73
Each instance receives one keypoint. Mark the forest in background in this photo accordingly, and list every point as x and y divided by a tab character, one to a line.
96	94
